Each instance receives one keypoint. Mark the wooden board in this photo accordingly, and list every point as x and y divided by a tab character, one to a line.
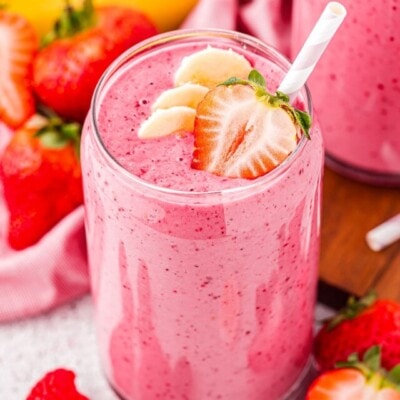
350	209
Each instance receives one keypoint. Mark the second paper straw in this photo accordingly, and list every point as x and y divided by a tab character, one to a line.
316	43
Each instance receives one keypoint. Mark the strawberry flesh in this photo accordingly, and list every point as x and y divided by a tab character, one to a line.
18	46
342	384
348	384
357	379
239	136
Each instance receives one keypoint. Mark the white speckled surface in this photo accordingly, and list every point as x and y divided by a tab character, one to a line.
62	338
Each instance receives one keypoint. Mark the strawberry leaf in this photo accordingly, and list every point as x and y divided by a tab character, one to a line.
352	361
372	358
262	94
51	139
279	99
394	375
282	96
71	22
370	367
304	121
353	358
352	309
71	130
233	81
57	133
257	78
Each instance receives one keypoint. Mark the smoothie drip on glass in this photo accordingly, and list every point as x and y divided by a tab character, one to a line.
204	285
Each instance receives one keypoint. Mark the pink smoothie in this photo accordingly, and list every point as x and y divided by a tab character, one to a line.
356	87
204	286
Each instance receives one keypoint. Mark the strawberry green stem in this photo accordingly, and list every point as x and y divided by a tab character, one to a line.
352	309
278	100
71	22
57	133
370	367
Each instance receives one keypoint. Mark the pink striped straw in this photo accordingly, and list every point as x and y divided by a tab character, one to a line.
316	43
385	234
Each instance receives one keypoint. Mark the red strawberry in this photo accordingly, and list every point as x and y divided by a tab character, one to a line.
82	46
56	385
18	45
357	381
360	325
41	176
241	130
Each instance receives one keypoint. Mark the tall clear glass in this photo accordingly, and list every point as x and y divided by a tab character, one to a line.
356	86
198	294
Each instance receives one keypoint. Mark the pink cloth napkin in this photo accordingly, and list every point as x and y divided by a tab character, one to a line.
269	20
55	269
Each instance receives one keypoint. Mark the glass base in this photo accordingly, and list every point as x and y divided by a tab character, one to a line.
362	175
115	391
297	391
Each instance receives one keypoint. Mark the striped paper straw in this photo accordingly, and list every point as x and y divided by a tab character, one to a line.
316	43
384	234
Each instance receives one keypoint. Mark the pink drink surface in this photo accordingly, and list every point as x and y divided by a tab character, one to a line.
356	84
204	296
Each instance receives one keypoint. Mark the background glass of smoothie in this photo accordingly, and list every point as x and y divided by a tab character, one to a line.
356	87
204	286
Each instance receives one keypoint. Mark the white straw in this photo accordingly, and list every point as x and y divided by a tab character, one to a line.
384	234
316	43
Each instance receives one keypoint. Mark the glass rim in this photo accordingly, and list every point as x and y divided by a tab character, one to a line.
169	37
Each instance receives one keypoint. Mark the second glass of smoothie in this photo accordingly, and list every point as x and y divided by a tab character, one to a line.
204	286
356	86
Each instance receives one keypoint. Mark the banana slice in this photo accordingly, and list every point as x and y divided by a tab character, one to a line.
189	94
165	122
211	66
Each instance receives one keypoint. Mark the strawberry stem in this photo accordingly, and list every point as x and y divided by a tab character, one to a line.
394	375
57	133
370	367
71	22
352	309
257	82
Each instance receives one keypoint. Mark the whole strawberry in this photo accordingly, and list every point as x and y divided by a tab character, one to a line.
18	45
358	380
56	385
83	44
41	176
360	325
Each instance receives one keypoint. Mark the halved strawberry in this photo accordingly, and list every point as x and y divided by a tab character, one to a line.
18	45
243	131
238	135
347	384
358	380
